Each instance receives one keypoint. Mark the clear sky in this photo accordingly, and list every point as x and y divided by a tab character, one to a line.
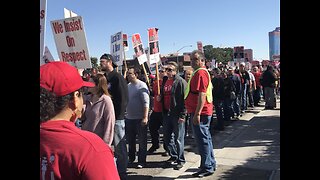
221	23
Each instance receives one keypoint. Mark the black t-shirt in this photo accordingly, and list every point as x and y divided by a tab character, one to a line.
218	88
118	88
244	76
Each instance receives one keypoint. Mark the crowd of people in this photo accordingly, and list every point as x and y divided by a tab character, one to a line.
89	125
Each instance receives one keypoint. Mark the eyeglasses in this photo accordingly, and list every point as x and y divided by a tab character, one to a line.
169	69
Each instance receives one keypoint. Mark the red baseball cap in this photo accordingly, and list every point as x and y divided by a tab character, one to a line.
151	76
61	78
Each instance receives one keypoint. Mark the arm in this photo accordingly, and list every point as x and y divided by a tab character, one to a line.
146	101
183	86
109	121
254	86
145	116
197	113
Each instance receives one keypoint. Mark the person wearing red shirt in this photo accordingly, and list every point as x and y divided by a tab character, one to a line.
172	94
257	92
67	152
156	119
201	111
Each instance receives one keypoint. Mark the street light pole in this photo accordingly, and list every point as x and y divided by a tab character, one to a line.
178	55
180	50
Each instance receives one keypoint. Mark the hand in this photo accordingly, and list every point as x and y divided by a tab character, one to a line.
144	122
196	119
158	98
181	120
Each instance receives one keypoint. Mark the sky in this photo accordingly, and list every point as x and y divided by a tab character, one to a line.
181	23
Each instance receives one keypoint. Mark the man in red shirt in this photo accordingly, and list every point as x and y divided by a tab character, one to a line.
257	92
196	102
172	95
156	119
67	152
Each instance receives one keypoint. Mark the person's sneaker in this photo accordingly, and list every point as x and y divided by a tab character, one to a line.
153	149
178	166
235	118
202	173
165	154
140	166
172	161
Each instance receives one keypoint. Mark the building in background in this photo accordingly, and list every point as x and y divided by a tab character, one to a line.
274	44
238	54
248	55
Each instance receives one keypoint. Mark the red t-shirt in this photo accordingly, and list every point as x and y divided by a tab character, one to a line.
157	106
67	152
198	83
257	76
167	93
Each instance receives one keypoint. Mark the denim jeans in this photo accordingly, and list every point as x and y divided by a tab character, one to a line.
204	142
235	105
243	95
269	94
155	122
175	143
218	106
134	128
188	125
120	147
257	95
227	109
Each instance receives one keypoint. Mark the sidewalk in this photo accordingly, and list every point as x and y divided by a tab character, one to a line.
247	149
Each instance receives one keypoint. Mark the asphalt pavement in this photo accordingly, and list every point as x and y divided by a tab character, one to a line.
248	148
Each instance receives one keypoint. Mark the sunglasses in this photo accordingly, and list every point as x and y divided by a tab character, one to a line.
169	69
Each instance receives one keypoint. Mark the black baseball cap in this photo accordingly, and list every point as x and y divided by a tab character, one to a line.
109	57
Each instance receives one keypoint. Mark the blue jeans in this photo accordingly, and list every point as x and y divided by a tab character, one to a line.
134	128
175	144
257	95
243	95
120	147
269	94
235	105
218	106
204	142
227	109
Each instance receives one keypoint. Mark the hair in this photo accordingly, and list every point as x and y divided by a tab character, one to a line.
101	85
270	68
188	70
173	64
137	71
217	70
51	105
94	69
199	55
